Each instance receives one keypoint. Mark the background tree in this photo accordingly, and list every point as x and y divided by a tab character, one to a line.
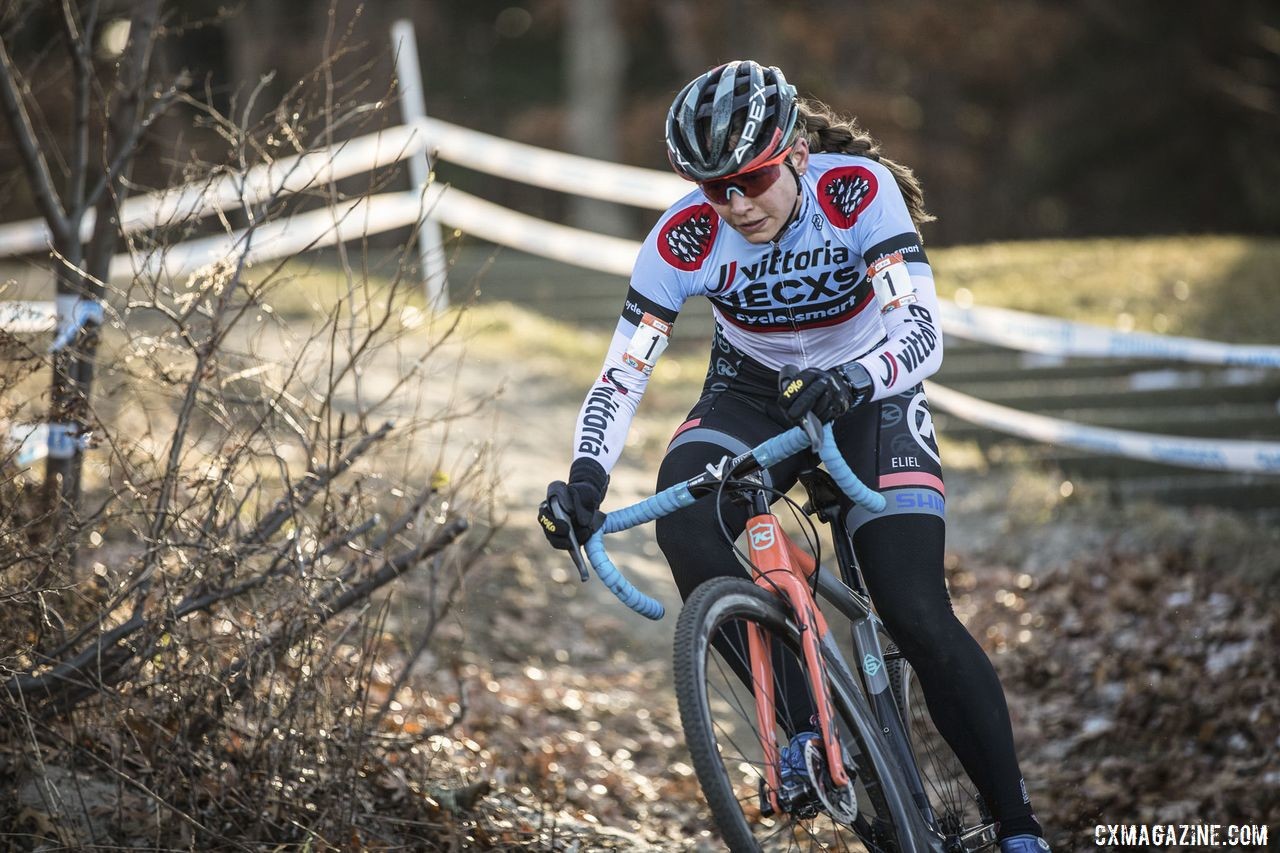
112	105
595	60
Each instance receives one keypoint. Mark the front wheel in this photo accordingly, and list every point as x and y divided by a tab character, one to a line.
727	744
958	809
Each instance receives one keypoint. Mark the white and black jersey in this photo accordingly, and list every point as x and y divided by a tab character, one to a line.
847	280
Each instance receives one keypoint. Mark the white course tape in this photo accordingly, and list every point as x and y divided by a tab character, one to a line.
344	222
555	170
375	214
566	173
494	155
261	183
1000	326
529	234
1216	454
31	442
1033	333
358	218
27	318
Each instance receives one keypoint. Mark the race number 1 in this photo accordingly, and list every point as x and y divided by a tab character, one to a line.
650	339
892	282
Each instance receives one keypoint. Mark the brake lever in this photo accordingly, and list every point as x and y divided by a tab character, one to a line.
559	513
812	427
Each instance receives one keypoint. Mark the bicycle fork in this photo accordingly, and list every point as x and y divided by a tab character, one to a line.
772	553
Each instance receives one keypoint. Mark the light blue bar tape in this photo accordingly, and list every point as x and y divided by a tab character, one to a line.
647	607
844	476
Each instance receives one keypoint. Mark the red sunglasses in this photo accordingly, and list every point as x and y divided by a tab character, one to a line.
750	184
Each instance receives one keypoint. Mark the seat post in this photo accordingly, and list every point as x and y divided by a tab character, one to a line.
845	557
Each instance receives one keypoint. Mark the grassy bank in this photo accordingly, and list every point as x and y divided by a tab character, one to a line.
1215	287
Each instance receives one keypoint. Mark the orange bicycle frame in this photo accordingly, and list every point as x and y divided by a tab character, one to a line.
783	568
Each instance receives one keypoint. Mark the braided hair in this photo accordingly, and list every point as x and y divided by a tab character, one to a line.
830	132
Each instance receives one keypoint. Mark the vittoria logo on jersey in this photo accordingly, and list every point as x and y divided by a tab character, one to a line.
598	415
913	348
790	290
608	377
685	241
845	192
783	263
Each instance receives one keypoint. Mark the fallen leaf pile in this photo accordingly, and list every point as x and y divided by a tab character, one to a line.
1143	689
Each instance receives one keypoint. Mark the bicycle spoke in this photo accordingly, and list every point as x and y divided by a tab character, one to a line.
944	795
780	689
949	789
939	755
798	829
733	697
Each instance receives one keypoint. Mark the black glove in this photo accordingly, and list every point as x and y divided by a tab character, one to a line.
826	393
580	498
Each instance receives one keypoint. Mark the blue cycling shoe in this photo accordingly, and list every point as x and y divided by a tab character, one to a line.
796	790
793	771
1024	844
805	787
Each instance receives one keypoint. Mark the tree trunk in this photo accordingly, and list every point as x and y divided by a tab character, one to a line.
82	271
595	61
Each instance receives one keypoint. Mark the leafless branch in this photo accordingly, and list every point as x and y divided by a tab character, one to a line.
33	160
79	36
127	148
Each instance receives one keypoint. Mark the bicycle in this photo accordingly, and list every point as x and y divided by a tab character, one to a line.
884	776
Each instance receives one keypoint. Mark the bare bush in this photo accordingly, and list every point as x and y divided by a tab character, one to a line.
216	667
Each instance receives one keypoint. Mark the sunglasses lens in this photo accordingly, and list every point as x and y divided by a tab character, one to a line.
751	184
716	192
760	180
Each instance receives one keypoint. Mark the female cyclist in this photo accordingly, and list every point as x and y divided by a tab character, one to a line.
806	242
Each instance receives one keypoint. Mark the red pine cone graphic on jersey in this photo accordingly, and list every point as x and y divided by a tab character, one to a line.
845	192
686	240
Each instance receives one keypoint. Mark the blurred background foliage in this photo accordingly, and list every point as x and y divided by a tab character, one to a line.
1027	120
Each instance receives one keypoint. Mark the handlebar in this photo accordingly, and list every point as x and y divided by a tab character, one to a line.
774	450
